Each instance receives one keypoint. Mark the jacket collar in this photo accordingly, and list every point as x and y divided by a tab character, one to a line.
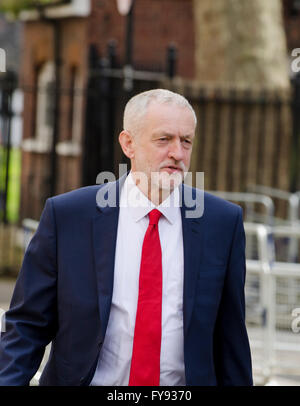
105	226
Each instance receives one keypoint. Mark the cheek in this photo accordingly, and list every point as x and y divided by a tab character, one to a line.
154	157
187	158
150	158
145	160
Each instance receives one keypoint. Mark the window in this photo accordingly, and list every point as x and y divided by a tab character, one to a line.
71	146
44	100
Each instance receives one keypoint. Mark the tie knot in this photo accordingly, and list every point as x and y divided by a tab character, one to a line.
154	216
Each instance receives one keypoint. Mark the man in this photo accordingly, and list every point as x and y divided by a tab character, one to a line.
136	292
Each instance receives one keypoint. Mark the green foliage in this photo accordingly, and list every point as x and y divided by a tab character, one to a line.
14	185
14	7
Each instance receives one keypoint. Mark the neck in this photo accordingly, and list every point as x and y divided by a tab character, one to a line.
153	192
157	196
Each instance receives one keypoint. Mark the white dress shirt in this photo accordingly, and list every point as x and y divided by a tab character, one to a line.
115	357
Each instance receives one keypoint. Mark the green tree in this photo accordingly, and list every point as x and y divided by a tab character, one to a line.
14	7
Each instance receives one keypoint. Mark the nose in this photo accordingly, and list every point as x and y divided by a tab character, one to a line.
176	150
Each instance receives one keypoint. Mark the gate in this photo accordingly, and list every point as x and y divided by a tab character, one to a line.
244	136
109	88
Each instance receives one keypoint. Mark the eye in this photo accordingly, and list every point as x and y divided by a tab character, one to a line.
187	142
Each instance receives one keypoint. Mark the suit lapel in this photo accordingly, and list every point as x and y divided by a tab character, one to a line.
193	240
105	226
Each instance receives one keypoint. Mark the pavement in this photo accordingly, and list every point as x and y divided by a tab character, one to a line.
287	350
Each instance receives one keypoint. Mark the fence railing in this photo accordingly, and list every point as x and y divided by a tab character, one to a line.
272	287
262	268
249	199
277	289
293	214
243	135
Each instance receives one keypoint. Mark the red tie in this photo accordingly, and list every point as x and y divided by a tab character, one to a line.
145	362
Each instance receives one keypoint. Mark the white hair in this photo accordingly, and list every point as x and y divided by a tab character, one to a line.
136	107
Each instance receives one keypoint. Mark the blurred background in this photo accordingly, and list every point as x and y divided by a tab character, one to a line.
67	68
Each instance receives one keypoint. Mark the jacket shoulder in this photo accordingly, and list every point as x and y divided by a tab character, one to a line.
218	203
82	200
211	202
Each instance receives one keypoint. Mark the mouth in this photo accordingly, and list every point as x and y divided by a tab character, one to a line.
172	169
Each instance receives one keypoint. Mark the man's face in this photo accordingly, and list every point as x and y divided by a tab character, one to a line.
163	146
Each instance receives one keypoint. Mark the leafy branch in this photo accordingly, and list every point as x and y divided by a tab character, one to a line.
14	7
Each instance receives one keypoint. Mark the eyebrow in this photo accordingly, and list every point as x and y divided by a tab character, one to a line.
163	134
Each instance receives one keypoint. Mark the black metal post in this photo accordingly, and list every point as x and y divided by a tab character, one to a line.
171	60
294	169
128	67
295	8
108	107
112	54
92	141
129	35
56	112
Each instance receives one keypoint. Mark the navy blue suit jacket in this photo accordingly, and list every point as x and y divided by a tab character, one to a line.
64	291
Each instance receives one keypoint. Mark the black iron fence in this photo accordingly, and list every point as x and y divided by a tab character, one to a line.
244	136
110	86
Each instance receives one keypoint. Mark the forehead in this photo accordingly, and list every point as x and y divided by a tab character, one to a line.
169	117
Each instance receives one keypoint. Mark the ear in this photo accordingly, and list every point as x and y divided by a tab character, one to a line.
127	143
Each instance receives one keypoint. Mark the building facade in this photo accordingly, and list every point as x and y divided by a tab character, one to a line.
57	43
55	76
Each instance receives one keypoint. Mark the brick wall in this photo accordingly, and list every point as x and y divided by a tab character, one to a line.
157	23
38	49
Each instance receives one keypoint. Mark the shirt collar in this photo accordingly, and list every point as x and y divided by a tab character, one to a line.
139	205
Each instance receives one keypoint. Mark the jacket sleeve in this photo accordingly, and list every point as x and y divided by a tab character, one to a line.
30	323
231	345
